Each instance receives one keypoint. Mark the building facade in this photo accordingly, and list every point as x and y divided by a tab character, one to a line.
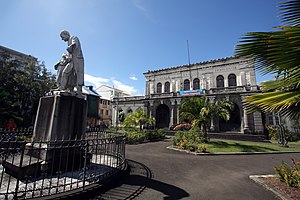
108	92
92	105
104	112
230	78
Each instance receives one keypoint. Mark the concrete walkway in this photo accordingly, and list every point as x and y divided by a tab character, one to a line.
161	173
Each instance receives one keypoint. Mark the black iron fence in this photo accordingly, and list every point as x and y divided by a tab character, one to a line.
42	168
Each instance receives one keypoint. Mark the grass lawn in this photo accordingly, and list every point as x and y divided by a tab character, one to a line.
227	146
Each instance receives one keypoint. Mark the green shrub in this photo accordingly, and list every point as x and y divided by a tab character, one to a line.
160	134
272	132
190	140
289	174
133	137
136	136
202	148
289	136
292	136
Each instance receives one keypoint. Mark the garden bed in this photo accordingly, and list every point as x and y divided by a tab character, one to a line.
281	189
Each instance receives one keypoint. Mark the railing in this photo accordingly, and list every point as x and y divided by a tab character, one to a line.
232	89
129	98
42	168
168	94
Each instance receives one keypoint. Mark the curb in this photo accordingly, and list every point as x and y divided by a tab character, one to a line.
257	179
230	153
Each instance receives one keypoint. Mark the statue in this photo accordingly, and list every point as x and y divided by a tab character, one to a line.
66	76
71	66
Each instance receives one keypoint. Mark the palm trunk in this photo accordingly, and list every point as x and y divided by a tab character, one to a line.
205	133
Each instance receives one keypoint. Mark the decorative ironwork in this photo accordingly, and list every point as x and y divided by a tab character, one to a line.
66	166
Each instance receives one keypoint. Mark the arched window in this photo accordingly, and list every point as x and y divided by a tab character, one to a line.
159	88
232	80
186	84
167	87
196	84
220	81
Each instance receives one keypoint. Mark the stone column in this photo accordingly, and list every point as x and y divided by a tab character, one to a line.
172	112
151	88
204	85
177	109
177	86
258	125
246	123
225	81
245	127
147	88
150	107
212	125
114	110
243	79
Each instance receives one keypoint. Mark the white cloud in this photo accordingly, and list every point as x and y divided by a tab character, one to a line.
126	88
140	5
133	77
98	81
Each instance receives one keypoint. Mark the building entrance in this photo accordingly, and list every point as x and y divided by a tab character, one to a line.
162	118
234	123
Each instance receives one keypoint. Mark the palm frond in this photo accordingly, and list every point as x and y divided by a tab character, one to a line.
290	12
273	51
285	102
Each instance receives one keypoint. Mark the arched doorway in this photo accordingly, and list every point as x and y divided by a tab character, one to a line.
234	123
162	118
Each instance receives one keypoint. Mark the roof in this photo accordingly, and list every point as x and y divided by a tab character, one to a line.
88	91
194	64
15	53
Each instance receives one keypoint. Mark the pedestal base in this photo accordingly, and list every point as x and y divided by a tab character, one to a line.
48	158
61	119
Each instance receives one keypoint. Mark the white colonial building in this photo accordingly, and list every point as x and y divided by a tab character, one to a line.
230	78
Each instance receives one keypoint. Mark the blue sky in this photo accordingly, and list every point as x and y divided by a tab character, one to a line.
122	39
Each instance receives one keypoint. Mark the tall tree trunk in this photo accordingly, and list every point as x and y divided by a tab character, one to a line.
205	133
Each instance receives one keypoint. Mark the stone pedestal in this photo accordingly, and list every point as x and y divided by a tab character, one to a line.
60	117
60	120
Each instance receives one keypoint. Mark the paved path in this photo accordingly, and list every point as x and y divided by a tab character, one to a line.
160	173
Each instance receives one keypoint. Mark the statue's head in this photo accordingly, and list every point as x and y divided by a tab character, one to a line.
65	35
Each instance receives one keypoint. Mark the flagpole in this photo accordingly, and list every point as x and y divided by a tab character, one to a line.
188	51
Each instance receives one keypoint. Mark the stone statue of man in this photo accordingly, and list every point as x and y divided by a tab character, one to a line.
74	49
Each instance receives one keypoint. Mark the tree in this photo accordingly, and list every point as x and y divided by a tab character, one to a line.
277	52
199	112
5	108
138	119
22	84
121	116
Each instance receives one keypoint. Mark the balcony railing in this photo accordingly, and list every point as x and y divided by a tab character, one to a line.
223	90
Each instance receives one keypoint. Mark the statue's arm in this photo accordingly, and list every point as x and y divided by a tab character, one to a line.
73	44
56	65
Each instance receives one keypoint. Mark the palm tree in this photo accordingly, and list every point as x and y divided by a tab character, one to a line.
138	118
200	112
277	52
